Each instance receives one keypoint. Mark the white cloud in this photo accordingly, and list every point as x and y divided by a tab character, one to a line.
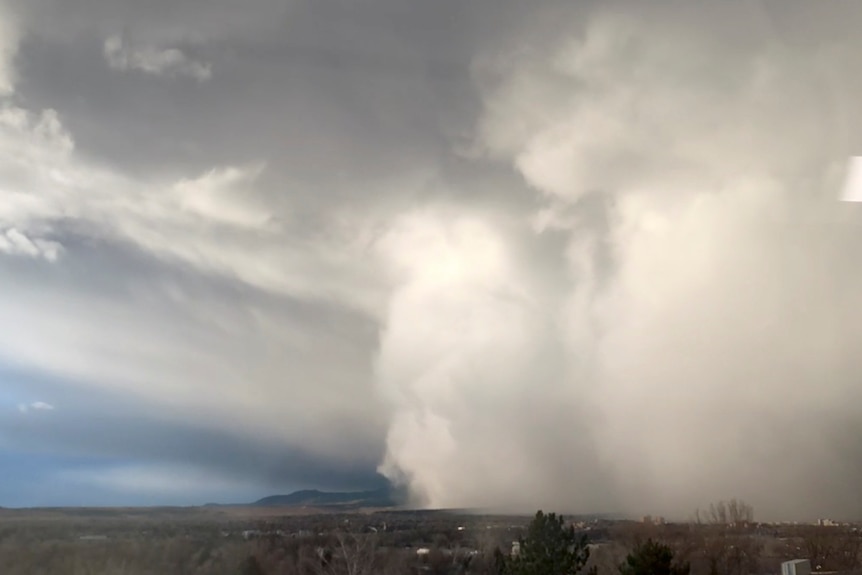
852	191
465	345
35	406
13	242
151	60
716	296
43	181
217	196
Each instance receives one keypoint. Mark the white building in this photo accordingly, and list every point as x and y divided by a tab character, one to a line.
796	567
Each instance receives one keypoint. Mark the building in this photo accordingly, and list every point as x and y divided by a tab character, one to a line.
650	520
796	567
93	538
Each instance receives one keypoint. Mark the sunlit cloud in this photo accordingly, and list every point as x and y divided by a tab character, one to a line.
852	191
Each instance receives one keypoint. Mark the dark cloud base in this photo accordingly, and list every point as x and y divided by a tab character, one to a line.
88	429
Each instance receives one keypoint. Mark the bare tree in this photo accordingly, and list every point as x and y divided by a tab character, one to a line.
358	552
739	513
733	513
832	548
348	553
726	542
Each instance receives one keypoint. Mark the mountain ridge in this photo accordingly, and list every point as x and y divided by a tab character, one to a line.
384	497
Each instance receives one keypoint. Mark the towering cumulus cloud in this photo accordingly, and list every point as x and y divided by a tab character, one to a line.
701	340
472	359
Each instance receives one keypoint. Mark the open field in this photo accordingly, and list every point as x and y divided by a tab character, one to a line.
234	540
227	539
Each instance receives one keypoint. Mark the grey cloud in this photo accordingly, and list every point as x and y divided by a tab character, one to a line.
372	87
803	26
8	50
153	22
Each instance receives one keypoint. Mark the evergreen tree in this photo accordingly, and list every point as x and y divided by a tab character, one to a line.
652	558
549	548
251	566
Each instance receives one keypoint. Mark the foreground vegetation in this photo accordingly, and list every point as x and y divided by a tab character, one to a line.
274	542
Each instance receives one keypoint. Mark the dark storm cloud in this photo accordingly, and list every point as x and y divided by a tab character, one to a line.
160	21
342	102
369	87
109	427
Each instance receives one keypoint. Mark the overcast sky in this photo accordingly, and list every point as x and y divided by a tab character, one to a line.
584	256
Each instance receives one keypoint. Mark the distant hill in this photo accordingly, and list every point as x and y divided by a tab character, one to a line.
384	497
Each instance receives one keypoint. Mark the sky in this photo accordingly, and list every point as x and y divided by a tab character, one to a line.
587	257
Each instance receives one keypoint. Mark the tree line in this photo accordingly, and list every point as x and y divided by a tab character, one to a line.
551	547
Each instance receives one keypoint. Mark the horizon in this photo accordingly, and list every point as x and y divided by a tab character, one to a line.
333	510
500	511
